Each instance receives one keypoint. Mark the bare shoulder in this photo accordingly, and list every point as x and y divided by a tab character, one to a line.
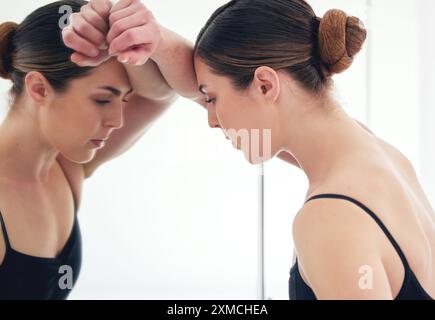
330	218
391	151
336	243
398	158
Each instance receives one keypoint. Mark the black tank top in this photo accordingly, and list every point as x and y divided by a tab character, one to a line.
26	277
410	290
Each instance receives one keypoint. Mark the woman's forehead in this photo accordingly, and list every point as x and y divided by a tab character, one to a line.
111	74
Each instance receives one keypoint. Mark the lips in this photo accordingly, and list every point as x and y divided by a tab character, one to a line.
99	143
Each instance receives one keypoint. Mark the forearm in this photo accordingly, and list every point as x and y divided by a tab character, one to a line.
174	57
148	82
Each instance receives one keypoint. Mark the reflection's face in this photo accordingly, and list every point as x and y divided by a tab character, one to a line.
77	121
237	111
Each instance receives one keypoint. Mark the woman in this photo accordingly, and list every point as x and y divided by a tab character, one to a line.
367	229
63	123
268	66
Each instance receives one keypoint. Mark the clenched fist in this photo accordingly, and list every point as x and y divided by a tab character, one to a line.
127	30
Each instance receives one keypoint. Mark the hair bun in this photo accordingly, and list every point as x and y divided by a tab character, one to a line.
6	29
340	38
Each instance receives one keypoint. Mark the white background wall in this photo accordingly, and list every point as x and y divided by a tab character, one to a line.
176	217
426	90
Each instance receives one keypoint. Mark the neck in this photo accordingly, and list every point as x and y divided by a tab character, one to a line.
25	154
323	140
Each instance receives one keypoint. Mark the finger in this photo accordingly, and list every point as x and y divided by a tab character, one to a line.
102	7
87	30
84	61
121	4
91	16
137	55
131	37
74	41
125	12
136	20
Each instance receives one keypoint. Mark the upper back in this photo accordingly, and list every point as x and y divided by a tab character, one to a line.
388	185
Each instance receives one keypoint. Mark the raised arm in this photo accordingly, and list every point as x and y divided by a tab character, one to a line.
151	97
175	60
135	36
172	53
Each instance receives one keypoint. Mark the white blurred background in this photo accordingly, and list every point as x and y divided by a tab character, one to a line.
177	217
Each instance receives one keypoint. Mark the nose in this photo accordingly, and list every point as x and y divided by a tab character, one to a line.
115	117
213	121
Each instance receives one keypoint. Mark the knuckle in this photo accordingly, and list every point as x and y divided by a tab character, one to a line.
73	18
68	36
150	15
93	20
143	15
82	28
85	8
108	4
100	6
116	27
113	18
129	36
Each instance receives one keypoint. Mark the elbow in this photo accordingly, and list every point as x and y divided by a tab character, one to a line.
170	97
164	95
167	99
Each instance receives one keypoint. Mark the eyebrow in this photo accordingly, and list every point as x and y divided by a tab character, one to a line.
115	91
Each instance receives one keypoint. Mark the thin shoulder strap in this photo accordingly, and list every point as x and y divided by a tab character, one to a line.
373	215
5	233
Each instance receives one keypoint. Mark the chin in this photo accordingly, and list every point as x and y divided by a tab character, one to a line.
256	160
81	158
261	157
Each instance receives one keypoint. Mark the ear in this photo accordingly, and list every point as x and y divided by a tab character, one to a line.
37	87
266	83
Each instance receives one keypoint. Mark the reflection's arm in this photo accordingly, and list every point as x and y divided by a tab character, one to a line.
169	71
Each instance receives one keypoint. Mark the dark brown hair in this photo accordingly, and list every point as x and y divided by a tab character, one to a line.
243	35
36	45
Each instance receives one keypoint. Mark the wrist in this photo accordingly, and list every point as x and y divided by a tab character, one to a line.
164	45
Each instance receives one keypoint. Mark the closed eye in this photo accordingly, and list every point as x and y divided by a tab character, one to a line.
102	102
208	101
